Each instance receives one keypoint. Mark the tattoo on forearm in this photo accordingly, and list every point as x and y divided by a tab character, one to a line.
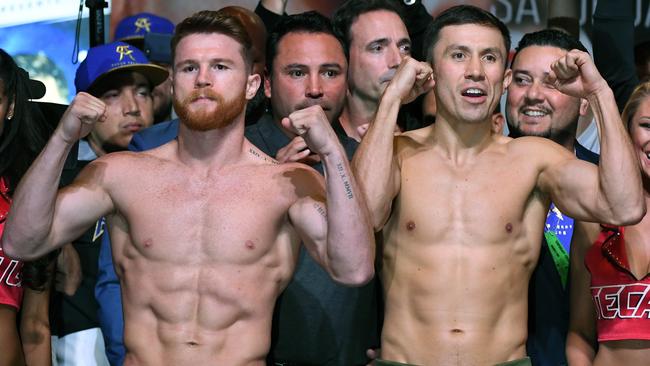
345	180
258	155
321	210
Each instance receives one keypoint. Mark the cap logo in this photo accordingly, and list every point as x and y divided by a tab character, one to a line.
143	23
124	51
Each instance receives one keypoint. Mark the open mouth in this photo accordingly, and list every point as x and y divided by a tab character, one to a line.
473	92
535	112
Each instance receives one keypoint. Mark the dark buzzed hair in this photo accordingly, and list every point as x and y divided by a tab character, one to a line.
348	13
209	21
460	15
307	22
551	38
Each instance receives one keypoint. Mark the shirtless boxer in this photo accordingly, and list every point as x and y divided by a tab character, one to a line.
205	229
462	209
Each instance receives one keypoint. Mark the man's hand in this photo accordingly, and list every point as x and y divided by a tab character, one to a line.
68	271
576	75
80	117
312	125
297	151
373	354
411	79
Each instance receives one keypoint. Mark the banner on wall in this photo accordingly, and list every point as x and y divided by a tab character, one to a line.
40	35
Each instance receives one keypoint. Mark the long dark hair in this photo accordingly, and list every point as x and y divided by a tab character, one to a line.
22	139
25	135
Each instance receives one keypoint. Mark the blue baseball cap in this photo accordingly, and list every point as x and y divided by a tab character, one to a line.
136	26
117	56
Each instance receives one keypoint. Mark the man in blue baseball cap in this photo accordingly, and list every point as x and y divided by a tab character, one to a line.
133	29
121	77
151	34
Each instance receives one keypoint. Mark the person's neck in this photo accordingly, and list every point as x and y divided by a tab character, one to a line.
646	189
96	147
214	148
357	112
460	139
638	255
100	149
566	139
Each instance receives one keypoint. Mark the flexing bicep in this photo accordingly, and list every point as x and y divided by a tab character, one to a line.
336	231
581	340
79	205
309	218
379	180
574	187
389	194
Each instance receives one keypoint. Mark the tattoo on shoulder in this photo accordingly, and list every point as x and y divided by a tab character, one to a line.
321	210
257	154
345	179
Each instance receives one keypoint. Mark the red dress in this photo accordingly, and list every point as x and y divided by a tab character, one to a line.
622	301
11	290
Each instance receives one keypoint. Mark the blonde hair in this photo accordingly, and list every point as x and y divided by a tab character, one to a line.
640	93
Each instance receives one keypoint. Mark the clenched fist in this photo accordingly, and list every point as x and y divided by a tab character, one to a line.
80	117
575	74
313	126
411	79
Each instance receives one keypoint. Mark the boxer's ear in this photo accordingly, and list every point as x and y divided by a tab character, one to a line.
252	84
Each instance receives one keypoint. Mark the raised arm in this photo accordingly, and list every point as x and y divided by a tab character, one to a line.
374	162
581	339
337	232
41	220
612	193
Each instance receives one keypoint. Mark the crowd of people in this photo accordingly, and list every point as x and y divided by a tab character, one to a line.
257	188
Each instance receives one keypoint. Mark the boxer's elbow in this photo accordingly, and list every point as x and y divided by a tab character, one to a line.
363	277
18	249
630	214
359	276
10	250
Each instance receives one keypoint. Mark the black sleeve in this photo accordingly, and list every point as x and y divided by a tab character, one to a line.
417	19
269	18
613	44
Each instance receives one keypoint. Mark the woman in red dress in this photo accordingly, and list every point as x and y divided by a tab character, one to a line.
610	272
23	133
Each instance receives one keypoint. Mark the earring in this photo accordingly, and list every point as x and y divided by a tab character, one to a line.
9	117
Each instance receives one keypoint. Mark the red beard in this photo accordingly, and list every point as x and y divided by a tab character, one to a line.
220	116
